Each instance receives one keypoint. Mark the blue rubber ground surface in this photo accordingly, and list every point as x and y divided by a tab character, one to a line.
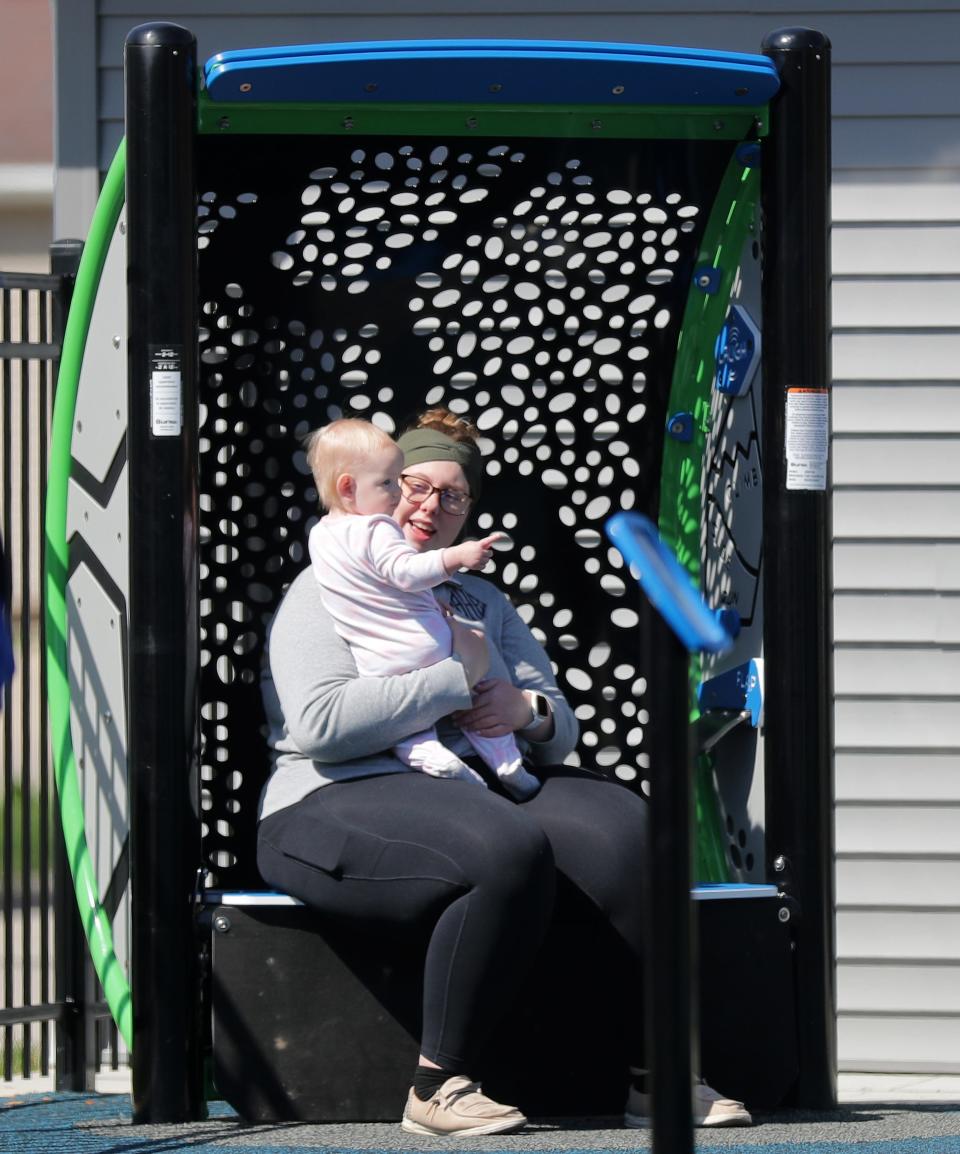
100	1124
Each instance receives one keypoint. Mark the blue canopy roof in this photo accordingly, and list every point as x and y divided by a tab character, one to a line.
507	72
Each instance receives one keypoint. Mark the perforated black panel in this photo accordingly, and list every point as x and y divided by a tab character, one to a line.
536	287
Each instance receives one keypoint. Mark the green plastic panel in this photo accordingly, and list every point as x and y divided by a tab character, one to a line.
639	122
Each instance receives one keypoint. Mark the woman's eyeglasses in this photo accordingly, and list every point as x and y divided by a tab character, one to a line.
418	489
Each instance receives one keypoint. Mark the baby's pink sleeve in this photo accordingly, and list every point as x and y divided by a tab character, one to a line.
398	563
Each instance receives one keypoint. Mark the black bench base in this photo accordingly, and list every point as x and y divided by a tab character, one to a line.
314	1026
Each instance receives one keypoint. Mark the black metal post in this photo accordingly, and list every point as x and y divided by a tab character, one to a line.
798	734
160	63
671	955
71	1069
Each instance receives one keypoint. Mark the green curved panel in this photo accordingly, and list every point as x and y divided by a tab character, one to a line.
681	516
95	921
730	220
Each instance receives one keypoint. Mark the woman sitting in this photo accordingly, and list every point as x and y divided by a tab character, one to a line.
357	835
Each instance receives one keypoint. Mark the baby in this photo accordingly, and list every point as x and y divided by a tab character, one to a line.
378	588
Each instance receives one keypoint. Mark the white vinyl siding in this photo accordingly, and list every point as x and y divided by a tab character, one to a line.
902	1043
883	672
922	565
896	439
903	777
896	474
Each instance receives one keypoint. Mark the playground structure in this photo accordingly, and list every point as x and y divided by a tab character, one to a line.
488	236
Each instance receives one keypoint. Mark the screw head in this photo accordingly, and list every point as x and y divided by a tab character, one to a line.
783	915
617	90
780	864
246	86
221	924
496	87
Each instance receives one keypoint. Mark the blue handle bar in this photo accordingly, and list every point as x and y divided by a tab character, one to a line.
666	583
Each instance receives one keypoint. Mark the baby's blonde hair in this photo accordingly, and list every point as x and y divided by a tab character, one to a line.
339	448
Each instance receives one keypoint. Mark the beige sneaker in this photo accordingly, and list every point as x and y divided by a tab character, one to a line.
709	1109
458	1108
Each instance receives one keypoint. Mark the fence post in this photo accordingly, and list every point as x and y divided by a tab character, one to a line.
160	65
73	1065
798	737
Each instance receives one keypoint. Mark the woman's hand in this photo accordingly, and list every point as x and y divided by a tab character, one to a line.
470	645
499	707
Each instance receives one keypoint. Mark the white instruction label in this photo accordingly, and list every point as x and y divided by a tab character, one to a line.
165	404
166	391
808	438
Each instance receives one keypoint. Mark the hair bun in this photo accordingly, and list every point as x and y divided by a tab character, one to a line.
442	420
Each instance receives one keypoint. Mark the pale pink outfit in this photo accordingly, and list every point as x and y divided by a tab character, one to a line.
379	591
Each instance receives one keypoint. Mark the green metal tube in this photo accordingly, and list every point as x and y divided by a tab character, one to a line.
96	924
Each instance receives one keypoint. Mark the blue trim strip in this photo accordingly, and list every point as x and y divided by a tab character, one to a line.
731	891
666	583
703	891
385	47
505	72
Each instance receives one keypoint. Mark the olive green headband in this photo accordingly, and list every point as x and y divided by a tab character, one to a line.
421	445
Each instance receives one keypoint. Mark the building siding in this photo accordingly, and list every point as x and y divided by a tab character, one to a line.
896	444
896	438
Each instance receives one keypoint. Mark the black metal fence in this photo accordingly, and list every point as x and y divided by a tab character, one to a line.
49	1003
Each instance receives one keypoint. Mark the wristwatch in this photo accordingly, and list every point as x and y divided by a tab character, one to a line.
539	710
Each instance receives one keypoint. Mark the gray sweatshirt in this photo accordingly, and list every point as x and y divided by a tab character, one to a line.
328	724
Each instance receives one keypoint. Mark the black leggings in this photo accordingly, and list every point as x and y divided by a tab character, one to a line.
387	852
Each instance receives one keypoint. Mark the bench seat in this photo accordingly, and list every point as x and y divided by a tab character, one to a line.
313	1024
